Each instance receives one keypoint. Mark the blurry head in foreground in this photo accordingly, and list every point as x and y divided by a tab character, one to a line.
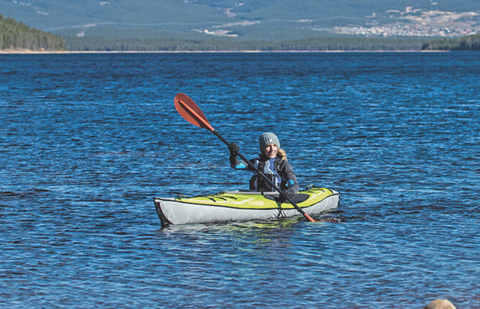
440	304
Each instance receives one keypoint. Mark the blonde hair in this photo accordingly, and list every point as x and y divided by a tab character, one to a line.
280	154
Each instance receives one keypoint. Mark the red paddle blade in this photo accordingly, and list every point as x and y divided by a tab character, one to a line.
191	112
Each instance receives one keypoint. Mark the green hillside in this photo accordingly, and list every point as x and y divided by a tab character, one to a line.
228	25
17	36
246	20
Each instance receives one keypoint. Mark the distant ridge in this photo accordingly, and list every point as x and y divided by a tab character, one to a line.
247	20
18	36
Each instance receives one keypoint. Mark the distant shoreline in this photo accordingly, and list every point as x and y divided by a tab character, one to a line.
24	52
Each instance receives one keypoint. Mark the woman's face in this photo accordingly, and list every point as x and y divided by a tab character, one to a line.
271	150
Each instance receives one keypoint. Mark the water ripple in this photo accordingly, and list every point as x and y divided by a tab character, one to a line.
89	140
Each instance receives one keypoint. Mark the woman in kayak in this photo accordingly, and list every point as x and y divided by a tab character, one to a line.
273	163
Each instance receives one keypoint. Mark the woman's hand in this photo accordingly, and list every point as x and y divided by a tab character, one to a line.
286	195
234	149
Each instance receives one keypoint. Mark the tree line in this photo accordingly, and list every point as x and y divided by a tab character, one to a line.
16	36
471	42
226	44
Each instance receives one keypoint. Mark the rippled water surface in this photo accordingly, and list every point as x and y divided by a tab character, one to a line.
87	141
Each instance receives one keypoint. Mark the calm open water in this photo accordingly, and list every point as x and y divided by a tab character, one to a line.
87	141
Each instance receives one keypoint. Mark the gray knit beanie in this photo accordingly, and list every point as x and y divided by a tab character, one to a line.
267	138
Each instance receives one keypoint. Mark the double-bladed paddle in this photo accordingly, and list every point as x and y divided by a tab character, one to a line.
193	114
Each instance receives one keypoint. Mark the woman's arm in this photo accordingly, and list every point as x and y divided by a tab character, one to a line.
288	177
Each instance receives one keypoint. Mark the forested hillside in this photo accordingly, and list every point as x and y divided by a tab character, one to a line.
471	42
247	20
17	36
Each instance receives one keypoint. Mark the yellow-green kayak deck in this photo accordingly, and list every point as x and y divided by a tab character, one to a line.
241	206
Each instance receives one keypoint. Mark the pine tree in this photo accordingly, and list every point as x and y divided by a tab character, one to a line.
16	35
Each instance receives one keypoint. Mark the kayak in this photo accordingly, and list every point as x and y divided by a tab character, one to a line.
242	206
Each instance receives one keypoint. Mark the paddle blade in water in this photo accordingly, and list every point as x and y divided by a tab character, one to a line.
191	112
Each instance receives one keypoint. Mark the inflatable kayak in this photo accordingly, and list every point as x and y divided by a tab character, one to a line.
242	206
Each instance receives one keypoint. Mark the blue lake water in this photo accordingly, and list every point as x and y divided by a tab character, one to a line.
87	141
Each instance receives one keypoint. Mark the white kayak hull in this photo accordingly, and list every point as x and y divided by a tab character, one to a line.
236	206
